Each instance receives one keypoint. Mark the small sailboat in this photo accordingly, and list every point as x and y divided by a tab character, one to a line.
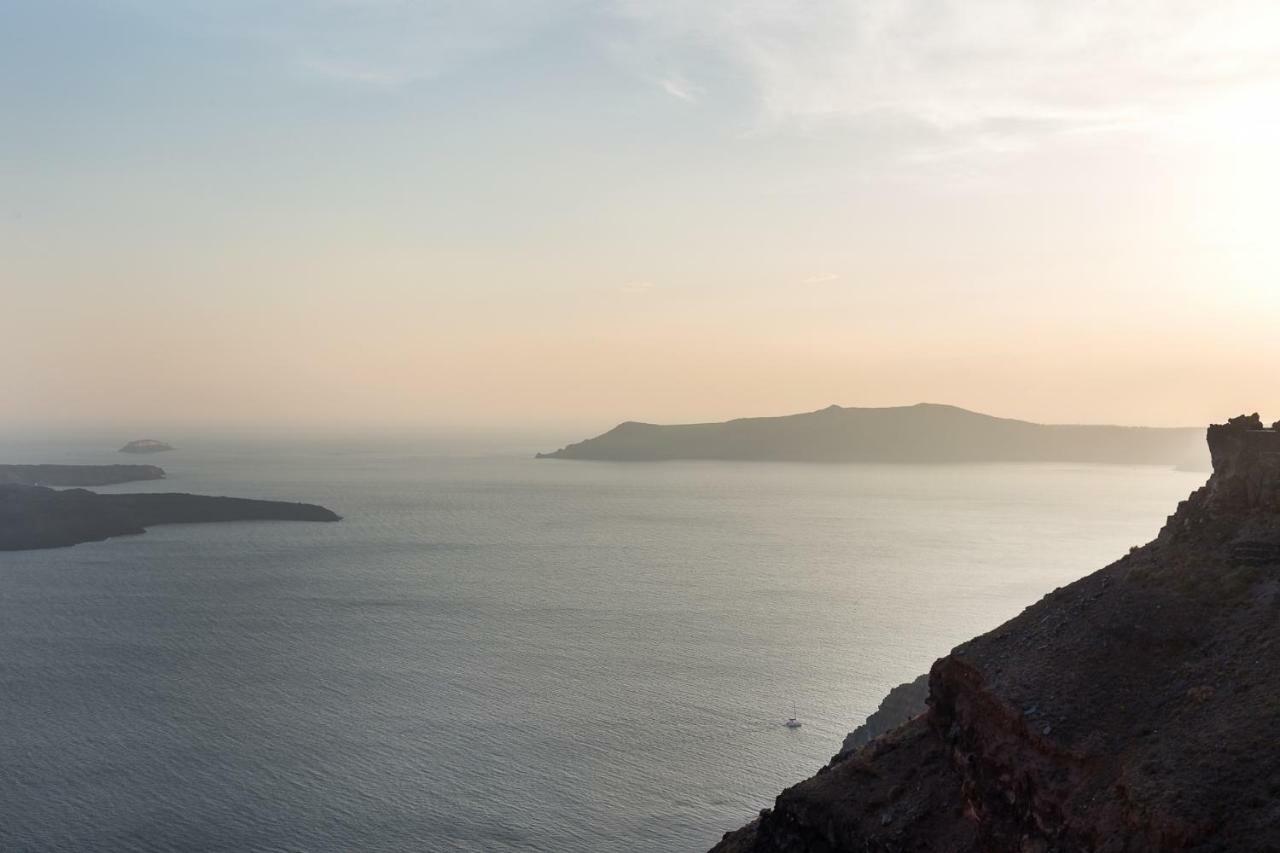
792	722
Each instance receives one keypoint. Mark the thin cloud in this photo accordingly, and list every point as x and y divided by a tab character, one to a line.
637	287
380	78
1028	67
376	43
820	278
679	88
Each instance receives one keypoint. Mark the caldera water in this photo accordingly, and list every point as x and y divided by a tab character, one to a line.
493	653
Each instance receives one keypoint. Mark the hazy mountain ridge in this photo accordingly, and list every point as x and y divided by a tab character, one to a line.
924	433
1133	710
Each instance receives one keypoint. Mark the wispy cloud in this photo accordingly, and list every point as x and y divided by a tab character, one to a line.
820	278
996	68
371	76
958	74
678	87
637	287
380	43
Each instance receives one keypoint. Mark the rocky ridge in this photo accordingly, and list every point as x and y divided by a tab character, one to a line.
1134	711
902	704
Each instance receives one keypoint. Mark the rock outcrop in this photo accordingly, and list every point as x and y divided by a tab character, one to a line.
39	517
1134	711
903	703
77	475
926	433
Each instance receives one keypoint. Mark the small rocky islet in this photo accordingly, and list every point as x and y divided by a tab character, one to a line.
146	445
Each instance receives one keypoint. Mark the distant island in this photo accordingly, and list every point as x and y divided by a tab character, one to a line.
145	445
925	433
40	517
77	475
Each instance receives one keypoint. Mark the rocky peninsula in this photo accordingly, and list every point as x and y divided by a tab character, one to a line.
1134	711
77	475
925	433
40	517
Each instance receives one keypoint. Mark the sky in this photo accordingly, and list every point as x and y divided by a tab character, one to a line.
563	214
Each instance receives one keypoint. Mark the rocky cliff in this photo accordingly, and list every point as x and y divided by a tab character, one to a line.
902	703
1134	711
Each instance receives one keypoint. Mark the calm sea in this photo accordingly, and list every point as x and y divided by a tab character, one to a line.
502	654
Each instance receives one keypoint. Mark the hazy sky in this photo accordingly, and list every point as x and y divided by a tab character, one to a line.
565	213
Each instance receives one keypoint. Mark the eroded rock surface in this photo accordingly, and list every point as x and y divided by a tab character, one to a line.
902	703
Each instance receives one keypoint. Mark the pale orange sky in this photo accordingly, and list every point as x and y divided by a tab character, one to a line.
239	218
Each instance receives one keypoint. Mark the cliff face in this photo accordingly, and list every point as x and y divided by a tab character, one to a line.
1135	710
902	703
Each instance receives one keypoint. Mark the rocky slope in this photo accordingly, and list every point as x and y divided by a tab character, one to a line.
905	434
902	703
39	517
77	475
1136	710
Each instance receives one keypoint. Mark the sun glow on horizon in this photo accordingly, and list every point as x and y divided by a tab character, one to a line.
400	213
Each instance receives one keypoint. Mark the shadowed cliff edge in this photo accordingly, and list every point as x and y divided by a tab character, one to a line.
1136	710
900	705
925	433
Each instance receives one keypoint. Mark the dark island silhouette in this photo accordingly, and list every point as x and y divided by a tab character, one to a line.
146	445
1134	710
925	433
41	517
77	475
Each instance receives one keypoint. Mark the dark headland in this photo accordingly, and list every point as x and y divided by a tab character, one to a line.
146	445
925	433
77	475
1134	711
39	517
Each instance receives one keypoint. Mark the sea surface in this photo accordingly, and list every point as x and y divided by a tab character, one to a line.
502	654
